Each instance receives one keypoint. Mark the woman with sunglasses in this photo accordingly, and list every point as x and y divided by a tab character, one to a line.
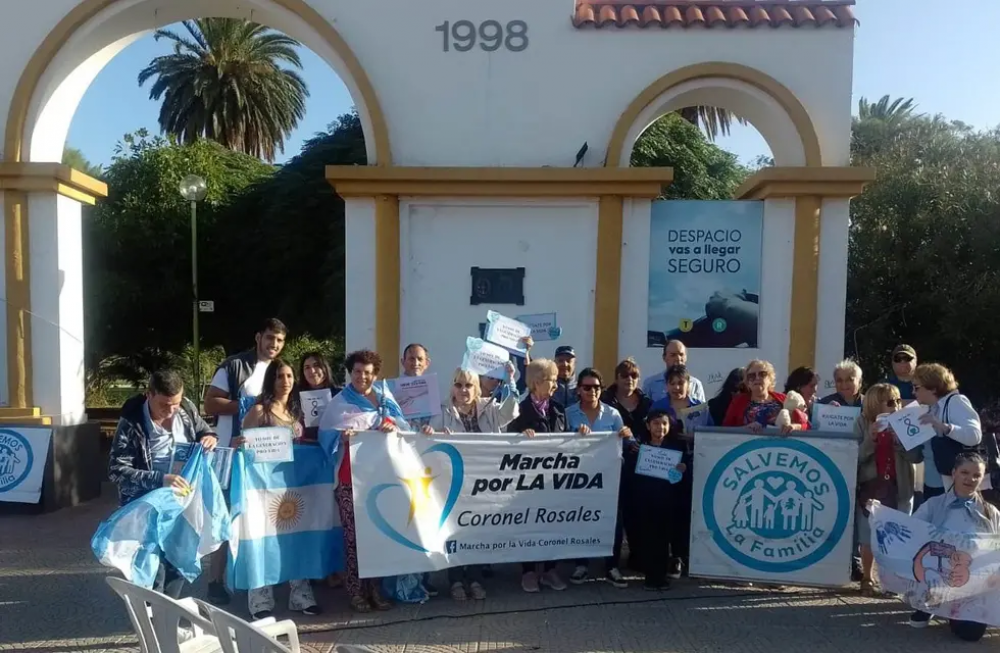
625	396
468	411
757	408
588	415
885	469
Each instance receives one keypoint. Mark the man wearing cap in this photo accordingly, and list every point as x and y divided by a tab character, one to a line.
904	362
674	353
566	380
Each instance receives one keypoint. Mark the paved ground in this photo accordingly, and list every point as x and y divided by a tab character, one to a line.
53	599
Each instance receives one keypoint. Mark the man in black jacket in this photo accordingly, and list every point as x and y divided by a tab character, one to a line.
150	427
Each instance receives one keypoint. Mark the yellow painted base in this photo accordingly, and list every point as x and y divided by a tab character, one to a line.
24	416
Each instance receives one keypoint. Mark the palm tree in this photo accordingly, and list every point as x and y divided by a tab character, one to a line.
224	81
712	120
895	111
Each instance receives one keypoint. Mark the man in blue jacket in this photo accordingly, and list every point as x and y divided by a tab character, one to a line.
150	427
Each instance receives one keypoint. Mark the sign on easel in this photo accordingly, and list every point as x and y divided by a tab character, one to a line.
23	454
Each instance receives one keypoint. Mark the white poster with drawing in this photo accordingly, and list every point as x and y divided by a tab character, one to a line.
906	424
314	402
418	396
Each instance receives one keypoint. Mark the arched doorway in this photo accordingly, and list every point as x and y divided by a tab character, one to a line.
45	363
791	231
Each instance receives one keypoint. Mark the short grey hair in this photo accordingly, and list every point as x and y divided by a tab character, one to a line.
847	365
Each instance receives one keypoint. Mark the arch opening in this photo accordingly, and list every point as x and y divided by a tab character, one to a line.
768	106
69	60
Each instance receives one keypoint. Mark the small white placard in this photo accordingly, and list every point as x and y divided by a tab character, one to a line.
906	424
543	326
485	358
839	419
658	462
506	332
313	404
269	444
418	396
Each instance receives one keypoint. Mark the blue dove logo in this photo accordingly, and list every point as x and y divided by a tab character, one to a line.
418	489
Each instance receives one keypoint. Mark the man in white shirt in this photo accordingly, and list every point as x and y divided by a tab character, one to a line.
674	353
239	379
233	391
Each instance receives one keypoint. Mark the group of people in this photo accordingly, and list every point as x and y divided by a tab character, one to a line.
259	388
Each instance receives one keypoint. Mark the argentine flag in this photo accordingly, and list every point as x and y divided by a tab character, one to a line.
180	528
285	521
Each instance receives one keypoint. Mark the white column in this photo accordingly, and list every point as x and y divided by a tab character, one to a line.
835	219
776	284
4	390
360	259
56	264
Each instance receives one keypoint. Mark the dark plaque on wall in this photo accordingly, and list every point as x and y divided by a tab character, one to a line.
497	286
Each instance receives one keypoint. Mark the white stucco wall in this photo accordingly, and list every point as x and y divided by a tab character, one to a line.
442	239
710	365
476	107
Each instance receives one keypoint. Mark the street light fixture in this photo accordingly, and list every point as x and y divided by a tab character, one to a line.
194	189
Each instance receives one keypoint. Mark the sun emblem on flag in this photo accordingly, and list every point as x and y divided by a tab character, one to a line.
286	510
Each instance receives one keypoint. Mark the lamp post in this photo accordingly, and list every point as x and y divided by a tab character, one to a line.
193	188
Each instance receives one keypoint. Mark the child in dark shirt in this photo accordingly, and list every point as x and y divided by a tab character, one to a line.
665	507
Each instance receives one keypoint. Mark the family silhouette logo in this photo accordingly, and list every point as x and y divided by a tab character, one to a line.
421	492
16	459
776	505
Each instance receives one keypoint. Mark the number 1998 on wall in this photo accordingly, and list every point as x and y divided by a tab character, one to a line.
490	35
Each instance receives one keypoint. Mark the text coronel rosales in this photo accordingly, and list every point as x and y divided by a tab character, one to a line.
540	472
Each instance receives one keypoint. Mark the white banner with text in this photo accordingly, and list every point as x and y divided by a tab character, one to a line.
773	508
423	503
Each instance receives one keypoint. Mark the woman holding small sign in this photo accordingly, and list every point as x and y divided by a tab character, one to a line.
316	388
955	422
758	408
885	469
278	406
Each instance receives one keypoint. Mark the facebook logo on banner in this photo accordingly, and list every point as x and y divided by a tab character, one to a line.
451	546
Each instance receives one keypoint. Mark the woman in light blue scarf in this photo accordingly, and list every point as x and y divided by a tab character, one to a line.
361	406
961	509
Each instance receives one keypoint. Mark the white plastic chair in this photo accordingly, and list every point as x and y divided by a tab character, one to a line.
156	620
248	637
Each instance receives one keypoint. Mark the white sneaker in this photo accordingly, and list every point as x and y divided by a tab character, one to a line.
615	578
579	575
552	580
529	582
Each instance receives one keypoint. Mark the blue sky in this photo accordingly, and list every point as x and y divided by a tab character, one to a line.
943	59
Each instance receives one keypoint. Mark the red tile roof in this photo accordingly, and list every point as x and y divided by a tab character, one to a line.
714	13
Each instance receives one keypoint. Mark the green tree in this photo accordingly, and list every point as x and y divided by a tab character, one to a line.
74	158
712	120
224	81
298	269
137	247
924	264
702	170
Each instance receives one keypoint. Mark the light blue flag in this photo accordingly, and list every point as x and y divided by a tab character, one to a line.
165	524
285	521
